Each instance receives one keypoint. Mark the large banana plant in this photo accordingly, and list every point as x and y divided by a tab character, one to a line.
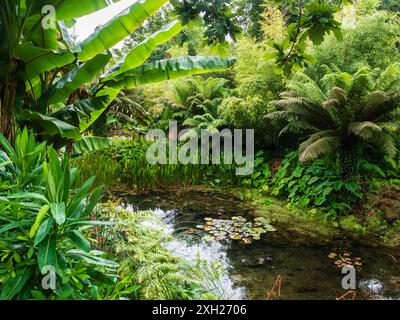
58	88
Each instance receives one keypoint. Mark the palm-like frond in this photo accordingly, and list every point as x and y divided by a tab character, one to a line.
305	87
385	143
389	80
324	146
361	84
339	79
364	130
378	110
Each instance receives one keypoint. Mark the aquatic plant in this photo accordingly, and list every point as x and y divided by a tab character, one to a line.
238	228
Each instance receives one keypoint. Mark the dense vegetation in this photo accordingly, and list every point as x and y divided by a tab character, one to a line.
318	81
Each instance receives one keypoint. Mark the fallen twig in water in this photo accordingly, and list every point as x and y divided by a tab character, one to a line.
277	286
351	292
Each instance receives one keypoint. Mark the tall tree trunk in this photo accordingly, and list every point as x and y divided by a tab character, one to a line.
7	120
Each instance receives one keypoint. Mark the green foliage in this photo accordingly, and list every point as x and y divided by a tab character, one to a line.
42	222
198	96
352	223
390	5
250	16
261	177
196	104
315	185
148	270
245	113
315	20
373	42
119	165
347	116
43	72
218	18
254	76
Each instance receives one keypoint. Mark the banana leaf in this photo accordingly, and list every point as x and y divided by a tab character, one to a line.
90	144
138	55
170	69
47	125
38	60
118	28
74	79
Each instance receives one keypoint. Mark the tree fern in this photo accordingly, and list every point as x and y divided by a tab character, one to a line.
343	115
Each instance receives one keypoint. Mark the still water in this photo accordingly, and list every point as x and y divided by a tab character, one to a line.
250	271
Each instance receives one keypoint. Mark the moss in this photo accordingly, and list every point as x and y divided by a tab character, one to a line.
352	224
392	236
309	226
296	225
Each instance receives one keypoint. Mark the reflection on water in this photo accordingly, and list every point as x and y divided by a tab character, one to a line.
251	270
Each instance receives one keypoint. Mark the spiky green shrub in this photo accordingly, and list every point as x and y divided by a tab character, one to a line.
42	221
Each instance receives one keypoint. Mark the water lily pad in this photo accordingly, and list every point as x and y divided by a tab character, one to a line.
238	228
332	255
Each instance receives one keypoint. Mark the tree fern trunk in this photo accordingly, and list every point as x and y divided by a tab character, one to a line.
7	120
349	161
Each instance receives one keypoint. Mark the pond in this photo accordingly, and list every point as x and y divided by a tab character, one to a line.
307	271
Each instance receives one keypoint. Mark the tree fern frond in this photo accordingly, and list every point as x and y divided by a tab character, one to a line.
309	90
321	147
385	143
361	85
364	130
315	137
389	80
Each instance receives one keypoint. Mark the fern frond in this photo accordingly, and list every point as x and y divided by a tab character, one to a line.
321	147
364	130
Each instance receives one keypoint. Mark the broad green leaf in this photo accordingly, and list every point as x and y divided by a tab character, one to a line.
74	79
118	28
42	213
48	125
90	144
27	196
58	212
47	253
83	113
96	223
13	286
92	259
38	60
5	164
351	186
94	200
15	225
7	147
83	192
138	55
79	240
43	231
40	37
170	69
70	9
